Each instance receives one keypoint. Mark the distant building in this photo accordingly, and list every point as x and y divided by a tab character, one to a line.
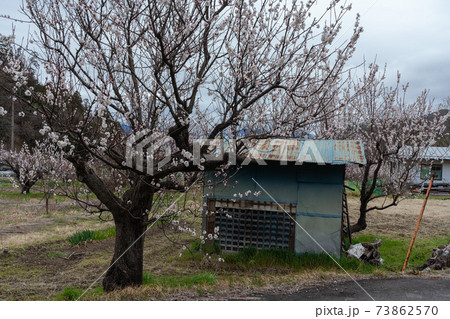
5	170
303	183
436	160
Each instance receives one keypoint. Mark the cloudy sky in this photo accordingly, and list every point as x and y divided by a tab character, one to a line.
410	36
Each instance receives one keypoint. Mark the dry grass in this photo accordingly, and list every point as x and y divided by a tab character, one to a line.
41	262
399	221
231	287
24	221
28	228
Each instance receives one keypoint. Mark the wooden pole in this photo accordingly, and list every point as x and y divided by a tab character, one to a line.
418	223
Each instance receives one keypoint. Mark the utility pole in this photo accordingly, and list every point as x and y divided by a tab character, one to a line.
12	123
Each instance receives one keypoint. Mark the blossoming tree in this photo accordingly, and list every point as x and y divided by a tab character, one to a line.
395	133
177	69
25	164
44	163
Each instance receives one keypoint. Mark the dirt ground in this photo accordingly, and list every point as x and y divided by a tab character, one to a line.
41	262
400	220
24	222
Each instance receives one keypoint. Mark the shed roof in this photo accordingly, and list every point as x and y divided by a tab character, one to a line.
434	152
307	151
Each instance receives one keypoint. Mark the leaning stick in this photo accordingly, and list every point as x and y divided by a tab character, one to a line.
418	223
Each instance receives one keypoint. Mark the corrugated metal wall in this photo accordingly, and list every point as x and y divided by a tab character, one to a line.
319	209
315	189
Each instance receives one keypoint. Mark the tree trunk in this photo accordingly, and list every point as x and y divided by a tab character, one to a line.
130	215
26	188
366	193
362	223
47	198
126	268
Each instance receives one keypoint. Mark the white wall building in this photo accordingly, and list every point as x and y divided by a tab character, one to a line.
437	161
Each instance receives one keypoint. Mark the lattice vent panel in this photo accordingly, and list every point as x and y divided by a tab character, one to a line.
263	225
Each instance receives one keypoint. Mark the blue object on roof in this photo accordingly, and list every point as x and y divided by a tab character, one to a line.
126	128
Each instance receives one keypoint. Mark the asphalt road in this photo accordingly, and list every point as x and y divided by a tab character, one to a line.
380	289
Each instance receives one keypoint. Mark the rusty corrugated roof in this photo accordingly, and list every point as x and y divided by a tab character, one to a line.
307	151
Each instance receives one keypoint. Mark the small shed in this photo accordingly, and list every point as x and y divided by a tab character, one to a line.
288	183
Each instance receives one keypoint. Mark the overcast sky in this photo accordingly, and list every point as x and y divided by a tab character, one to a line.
411	36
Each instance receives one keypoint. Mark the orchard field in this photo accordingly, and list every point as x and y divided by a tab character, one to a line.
47	261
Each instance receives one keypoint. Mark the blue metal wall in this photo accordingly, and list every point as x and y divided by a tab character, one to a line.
319	209
316	189
279	181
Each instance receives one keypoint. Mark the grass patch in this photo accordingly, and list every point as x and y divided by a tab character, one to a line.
16	195
69	294
200	280
197	251
9	192
72	294
52	255
278	258
5	183
393	251
85	235
203	279
207	247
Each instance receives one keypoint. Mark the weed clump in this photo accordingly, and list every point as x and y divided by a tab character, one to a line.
85	235
72	294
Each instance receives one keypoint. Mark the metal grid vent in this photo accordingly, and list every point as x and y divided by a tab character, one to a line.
243	223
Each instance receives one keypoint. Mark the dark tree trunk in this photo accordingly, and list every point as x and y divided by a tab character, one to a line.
130	215
362	223
126	268
47	198
26	188
366	192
